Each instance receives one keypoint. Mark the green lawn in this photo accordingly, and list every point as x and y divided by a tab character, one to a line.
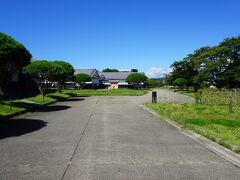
189	93
11	107
106	92
49	98
14	106
7	109
211	121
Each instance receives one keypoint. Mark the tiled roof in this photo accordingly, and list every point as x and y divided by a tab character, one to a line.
115	75
89	72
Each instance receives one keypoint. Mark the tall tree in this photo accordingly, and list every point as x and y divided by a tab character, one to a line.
231	48
215	66
13	56
218	66
184	69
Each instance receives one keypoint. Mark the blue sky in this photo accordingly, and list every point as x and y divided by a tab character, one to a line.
144	34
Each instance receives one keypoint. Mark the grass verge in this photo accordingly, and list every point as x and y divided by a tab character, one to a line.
106	92
13	107
211	121
189	93
49	98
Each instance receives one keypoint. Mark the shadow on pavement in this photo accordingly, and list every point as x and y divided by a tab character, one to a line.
29	106
75	99
53	108
18	127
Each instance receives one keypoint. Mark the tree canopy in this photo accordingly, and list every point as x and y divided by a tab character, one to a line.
180	82
41	72
65	73
46	73
154	83
211	66
110	70
136	79
13	56
82	78
68	68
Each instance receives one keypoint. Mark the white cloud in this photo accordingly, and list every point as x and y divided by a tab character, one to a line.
157	72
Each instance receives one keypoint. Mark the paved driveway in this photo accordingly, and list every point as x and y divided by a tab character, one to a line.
103	138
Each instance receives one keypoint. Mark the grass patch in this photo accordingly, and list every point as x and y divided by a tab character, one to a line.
106	92
15	105
11	107
49	98
6	108
189	93
211	121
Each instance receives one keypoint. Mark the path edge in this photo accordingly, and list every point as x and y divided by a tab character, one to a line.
209	144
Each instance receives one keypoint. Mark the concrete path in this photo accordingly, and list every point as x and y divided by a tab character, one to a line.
103	138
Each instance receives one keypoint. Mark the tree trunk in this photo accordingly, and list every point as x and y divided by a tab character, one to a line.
59	88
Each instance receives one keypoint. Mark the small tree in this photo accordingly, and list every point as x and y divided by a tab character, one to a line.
56	75
64	75
154	83
81	79
180	82
136	79
13	56
41	74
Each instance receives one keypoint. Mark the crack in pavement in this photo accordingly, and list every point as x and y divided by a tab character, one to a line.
80	139
155	164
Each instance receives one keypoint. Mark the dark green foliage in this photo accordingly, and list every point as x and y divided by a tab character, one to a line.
69	70
136	79
110	70
64	73
57	75
152	83
13	56
41	73
180	82
217	66
82	78
45	73
134	70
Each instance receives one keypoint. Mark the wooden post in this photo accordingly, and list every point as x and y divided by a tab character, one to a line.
154	97
235	97
232	102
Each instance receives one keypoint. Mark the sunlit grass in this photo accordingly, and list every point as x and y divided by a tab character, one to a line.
189	93
7	109
106	92
212	121
11	107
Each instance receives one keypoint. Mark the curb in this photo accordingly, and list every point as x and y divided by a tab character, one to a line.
211	145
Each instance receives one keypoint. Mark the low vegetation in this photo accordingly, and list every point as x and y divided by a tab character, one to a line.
189	93
212	121
12	107
106	92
